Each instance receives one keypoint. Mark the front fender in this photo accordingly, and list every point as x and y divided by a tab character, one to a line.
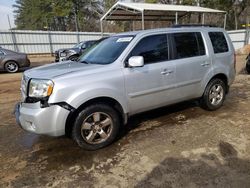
80	98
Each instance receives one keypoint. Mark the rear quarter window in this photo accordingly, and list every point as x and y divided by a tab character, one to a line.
219	42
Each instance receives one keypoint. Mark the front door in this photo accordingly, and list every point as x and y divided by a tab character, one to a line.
152	85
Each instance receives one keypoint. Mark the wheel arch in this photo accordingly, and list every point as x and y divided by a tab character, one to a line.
104	100
74	55
222	77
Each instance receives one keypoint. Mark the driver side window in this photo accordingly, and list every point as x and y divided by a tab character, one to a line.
153	49
84	46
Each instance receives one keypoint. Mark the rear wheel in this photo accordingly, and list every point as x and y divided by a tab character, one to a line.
96	127
214	95
248	67
11	67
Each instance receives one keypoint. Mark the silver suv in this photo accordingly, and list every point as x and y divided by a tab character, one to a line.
123	75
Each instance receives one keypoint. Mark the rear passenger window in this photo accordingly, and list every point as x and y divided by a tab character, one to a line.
188	45
219	42
1	53
153	49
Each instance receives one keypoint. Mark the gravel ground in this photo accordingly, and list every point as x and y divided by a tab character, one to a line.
176	146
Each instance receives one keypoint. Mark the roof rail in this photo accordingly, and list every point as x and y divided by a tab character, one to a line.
192	25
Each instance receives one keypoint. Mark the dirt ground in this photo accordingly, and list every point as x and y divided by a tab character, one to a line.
176	146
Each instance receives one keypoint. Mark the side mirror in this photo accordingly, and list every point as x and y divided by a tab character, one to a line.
136	61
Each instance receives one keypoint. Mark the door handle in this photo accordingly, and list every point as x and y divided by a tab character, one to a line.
166	72
205	64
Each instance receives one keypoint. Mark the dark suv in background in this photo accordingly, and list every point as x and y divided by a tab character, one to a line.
74	52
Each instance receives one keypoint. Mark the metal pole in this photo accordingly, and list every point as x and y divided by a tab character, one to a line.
101	27
225	21
76	23
142	20
176	18
247	31
13	36
203	19
50	43
9	21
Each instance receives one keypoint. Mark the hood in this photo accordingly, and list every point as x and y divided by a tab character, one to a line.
59	69
66	49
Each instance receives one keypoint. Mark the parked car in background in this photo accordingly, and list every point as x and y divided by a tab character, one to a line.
74	52
248	64
11	61
124	75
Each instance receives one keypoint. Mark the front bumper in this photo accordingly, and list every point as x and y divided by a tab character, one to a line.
60	59
45	121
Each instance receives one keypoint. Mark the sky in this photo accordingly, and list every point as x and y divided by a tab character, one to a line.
6	9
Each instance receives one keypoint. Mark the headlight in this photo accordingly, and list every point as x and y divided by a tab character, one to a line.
63	54
40	88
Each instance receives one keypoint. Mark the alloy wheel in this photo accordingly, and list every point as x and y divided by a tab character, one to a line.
96	128
216	94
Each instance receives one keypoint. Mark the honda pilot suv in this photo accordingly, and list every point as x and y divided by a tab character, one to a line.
124	75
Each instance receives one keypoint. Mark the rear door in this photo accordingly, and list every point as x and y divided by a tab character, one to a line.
152	85
192	63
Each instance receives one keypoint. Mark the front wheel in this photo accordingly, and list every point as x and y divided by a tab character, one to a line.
96	127
11	66
214	95
73	58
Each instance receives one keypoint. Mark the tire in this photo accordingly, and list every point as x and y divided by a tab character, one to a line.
73	58
214	95
11	67
248	67
96	126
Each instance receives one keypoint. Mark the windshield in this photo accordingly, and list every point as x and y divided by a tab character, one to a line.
107	51
79	45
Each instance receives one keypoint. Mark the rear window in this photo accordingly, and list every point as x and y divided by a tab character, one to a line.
188	45
1	53
219	42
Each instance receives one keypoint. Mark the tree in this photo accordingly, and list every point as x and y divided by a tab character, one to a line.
84	15
58	14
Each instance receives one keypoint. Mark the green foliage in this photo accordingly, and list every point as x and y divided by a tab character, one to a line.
57	14
84	15
151	1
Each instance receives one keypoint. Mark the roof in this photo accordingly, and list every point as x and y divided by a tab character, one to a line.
132	11
170	29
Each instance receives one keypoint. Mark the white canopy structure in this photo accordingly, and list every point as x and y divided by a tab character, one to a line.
122	11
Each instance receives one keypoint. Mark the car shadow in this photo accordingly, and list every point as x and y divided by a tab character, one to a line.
208	171
165	114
